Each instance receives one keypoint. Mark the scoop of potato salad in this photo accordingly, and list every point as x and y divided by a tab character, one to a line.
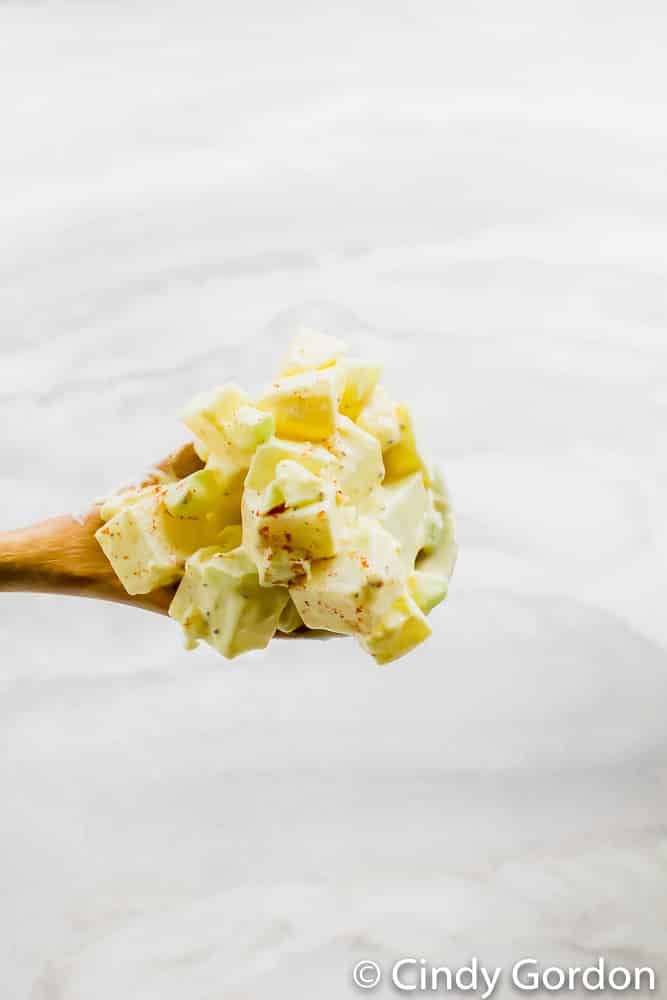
315	509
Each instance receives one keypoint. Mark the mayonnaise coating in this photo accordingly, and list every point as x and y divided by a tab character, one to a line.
316	508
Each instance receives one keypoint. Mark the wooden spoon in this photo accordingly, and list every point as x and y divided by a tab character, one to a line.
62	555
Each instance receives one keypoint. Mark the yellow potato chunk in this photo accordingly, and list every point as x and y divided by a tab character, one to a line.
248	428
403	458
147	547
293	486
309	350
207	414
359	380
427	589
285	540
262	471
402	628
359	469
350	592
402	510
196	495
304	405
118	501
221	601
379	418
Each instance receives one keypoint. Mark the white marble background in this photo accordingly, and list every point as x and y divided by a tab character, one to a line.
478	192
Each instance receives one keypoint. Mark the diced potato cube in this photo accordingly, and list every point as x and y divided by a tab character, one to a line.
379	418
230	472
310	529
208	412
196	495
359	381
359	469
139	545
221	601
310	349
294	486
220	498
304	405
427	589
231	476
333	595
264	462
402	628
403	458
403	508
118	501
350	592
285	540
248	428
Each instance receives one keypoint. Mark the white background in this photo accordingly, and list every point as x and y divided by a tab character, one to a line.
476	193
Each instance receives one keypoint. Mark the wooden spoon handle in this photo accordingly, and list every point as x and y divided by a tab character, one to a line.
48	556
62	556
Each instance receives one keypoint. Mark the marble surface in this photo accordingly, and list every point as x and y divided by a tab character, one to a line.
478	194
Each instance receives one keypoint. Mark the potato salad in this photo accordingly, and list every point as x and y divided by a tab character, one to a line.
315	508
